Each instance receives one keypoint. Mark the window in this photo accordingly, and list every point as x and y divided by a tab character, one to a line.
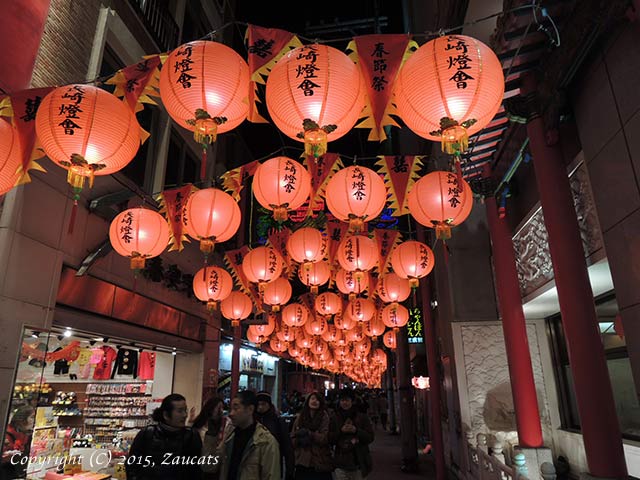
617	358
183	166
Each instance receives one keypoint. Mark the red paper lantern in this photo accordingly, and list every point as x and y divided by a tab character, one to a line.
315	93
355	334
212	285
332	334
295	315
439	200
412	260
278	345
389	339
204	87
357	253
328	303
281	184
139	233
262	265
361	309
261	333
344	321
350	284
375	327
306	245
316	325
277	293
356	194
237	306
303	340
211	216
314	274
10	157
363	346
379	357
450	88
294	351
255	337
395	316
87	131
393	288
287	333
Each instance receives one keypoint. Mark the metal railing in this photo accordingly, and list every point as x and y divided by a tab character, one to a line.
158	22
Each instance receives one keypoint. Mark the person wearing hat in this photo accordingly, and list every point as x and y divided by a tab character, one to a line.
266	414
351	433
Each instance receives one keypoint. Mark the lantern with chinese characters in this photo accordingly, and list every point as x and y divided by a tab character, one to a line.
294	351
295	315
277	345
350	284
262	265
358	254
344	321
393	288
316	325
281	184
360	309
440	200
303	339
450	88
363	346
261	332
255	337
379	357
277	293
356	194
236	307
287	333
314	274
389	339
306	245
315	93
211	216
355	334
204	87
87	131
375	327
9	157
328	303
139	233
332	334
395	316
412	260
212	285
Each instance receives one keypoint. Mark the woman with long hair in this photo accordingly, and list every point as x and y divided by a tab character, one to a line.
310	434
210	425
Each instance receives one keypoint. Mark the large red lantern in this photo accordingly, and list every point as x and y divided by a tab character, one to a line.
262	265
357	253
450	88
87	131
204	87
328	303
315	93
361	309
314	274
356	194
295	315
211	216
212	285
440	200
277	293
10	157
307	245
139	233
237	306
350	284
412	260
393	288
281	184
395	316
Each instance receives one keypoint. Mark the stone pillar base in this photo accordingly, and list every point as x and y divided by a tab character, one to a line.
534	458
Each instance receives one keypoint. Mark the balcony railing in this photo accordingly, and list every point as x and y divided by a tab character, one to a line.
158	21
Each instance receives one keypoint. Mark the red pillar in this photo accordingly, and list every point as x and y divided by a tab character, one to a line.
523	386
600	427
235	360
211	360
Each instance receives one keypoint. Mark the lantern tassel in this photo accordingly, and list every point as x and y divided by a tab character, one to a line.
203	163
72	218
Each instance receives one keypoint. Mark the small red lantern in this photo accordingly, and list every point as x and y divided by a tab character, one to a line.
392	288
261	332
139	233
344	321
328	303
349	284
306	245
281	184
278	345
277	293
262	265
211	216
361	309
303	340
316	326
237	306
212	285
295	315
389	339
314	274
356	194
375	327
357	253
440	200
412	260
287	333
332	334
355	334
395	316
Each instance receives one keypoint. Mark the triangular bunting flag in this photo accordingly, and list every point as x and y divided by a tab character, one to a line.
321	169
172	203
233	180
278	240
233	260
386	239
400	173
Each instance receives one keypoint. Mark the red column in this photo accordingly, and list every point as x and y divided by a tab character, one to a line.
523	386
235	360
211	360
600	427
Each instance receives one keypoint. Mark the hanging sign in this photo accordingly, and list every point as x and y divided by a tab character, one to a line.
400	174
172	204
415	332
136	84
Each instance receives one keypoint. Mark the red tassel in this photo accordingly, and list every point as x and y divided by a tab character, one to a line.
446	253
72	219
459	170
203	164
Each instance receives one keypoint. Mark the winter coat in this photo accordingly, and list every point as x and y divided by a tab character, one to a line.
280	431
153	443
352	449
260	459
312	449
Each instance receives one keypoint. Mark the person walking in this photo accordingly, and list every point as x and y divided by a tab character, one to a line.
310	435
266	414
351	433
210	425
168	438
248	450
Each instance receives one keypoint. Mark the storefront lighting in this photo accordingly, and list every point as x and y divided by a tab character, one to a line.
35	334
67	333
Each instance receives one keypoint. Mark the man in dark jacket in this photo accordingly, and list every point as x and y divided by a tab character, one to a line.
164	451
266	414
351	433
